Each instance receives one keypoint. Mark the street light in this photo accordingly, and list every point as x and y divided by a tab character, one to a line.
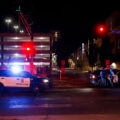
8	21
16	27
21	31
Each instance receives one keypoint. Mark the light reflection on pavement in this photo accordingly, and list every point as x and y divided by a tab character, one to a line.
78	101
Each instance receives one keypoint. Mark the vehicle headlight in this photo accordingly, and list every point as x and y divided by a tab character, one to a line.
45	81
93	77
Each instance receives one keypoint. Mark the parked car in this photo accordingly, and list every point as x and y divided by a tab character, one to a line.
95	78
23	79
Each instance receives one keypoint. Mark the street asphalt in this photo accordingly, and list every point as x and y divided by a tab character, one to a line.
70	102
77	103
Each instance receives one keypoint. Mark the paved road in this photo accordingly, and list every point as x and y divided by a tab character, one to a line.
62	104
74	100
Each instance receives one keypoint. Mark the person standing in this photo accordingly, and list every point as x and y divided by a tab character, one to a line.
103	82
111	77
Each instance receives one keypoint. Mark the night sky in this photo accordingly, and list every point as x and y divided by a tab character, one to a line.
76	20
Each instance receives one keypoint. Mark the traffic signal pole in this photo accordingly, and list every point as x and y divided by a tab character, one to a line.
24	21
31	60
28	29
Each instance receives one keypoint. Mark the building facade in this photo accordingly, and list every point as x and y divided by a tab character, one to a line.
11	49
113	25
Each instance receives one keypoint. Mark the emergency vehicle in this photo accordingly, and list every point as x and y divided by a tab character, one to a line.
22	79
32	51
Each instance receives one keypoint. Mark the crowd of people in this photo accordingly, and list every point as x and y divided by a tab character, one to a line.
107	78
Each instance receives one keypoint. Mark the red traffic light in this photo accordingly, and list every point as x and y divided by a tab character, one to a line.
28	48
101	29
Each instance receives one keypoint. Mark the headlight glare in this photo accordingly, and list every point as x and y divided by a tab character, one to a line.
45	81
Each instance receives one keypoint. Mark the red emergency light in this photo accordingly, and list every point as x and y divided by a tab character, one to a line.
26	59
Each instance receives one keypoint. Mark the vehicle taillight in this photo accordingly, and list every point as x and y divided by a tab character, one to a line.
93	76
